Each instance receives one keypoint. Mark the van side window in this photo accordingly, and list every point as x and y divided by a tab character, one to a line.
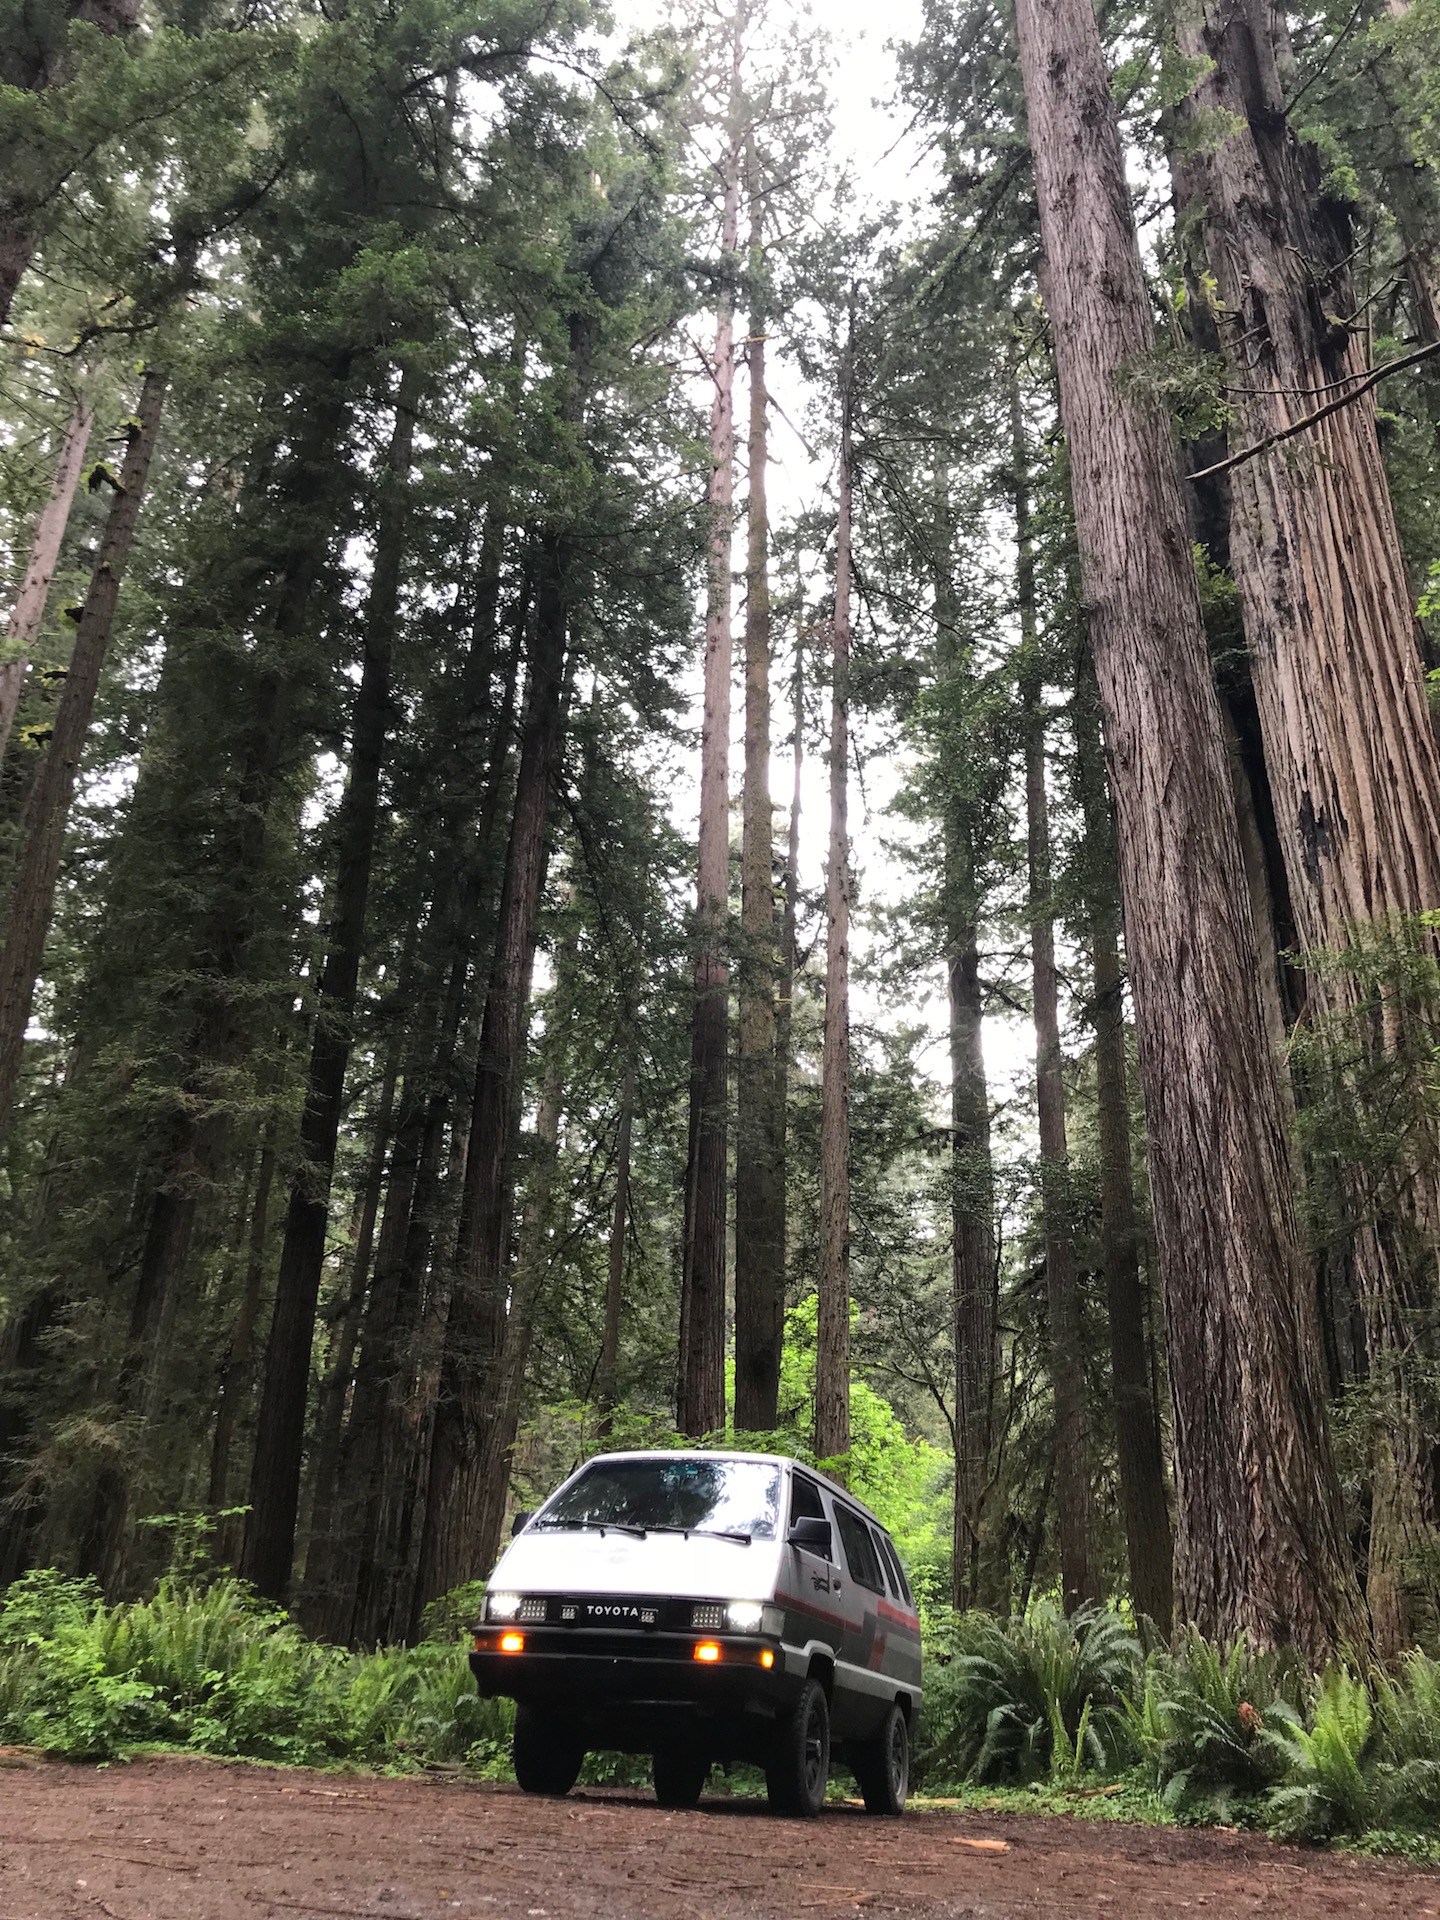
860	1554
897	1572
805	1501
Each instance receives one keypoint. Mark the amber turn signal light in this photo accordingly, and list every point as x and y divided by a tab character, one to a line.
708	1651
767	1658
512	1643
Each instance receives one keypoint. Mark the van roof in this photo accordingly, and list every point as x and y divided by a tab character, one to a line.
732	1453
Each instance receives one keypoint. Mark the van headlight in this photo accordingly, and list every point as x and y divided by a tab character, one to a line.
752	1616
503	1606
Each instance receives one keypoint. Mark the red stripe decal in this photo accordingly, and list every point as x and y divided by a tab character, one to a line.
818	1613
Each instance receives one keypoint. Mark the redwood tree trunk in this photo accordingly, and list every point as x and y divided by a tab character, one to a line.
973	1269
235	1368
1079	1581
759	1189
971	1225
452	1549
47	807
1261	1547
700	1398
1148	1541
607	1369
280	1434
40	572
1349	746
832	1356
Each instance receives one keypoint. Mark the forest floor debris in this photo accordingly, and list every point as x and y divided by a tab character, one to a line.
260	1844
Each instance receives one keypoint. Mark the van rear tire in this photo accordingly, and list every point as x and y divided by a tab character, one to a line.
546	1760
679	1777
882	1766
799	1763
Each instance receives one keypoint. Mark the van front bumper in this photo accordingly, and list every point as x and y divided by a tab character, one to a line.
587	1671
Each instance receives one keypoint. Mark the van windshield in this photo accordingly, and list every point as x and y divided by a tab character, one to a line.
679	1496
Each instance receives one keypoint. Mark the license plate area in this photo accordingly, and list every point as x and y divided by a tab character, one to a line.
613	1616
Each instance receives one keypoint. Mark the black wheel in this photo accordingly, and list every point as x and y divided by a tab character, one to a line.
546	1760
882	1766
680	1777
800	1758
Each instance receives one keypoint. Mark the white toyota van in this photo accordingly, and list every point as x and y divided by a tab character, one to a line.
704	1607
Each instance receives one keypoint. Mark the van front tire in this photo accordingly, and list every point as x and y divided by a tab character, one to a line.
799	1764
545	1760
882	1766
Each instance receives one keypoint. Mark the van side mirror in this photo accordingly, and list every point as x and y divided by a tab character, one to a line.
811	1534
520	1522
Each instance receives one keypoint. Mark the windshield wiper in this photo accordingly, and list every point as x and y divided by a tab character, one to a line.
709	1533
600	1526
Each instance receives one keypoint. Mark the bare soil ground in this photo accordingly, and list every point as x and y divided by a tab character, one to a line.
194	1840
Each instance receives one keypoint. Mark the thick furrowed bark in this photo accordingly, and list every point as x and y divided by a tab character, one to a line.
1350	749
1148	1540
1260	1543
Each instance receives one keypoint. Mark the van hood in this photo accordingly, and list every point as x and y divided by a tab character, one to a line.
569	1561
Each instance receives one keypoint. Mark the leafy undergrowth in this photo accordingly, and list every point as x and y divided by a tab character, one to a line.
1045	1714
211	1669
1129	1799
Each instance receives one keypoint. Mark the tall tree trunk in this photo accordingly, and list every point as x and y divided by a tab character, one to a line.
380	1475
327	1577
531	1270
759	1190
1349	745
832	1355
1261	1547
452	1548
1079	1578
1148	1541
700	1396
235	1368
47	807
971	1224
973	1268
608	1368
789	933
50	528
280	1436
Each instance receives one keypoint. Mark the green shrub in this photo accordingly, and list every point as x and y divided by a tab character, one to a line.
1326	1788
215	1669
1017	1700
1407	1718
1200	1720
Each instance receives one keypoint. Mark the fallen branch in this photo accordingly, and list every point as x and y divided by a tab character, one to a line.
1320	413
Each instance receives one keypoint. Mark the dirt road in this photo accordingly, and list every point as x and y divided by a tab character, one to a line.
191	1840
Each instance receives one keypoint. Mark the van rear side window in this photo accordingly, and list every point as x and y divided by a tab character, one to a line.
860	1554
897	1573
